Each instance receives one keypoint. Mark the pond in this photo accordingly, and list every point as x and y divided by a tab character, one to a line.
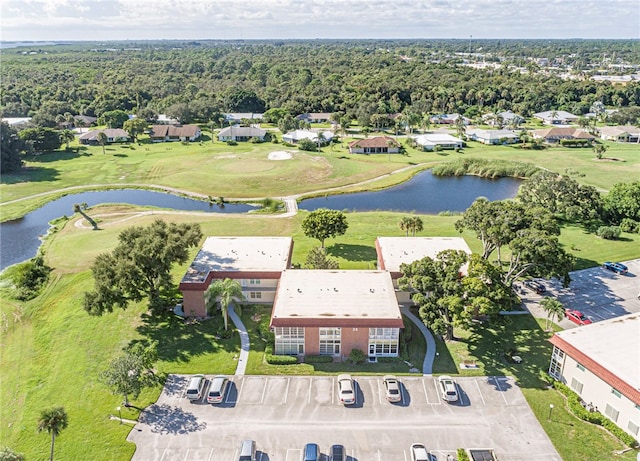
424	193
20	239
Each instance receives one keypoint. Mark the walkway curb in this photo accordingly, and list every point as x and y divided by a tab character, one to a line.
244	341
430	356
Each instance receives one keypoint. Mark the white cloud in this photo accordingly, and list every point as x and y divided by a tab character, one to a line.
201	19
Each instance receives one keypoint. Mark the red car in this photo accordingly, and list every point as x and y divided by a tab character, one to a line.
576	317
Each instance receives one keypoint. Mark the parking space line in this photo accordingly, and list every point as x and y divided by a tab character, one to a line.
241	387
186	455
295	451
480	392
264	390
333	390
163	453
435	384
310	384
210	455
379	392
497	381
286	391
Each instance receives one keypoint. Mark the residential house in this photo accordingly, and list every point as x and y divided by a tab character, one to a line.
84	120
557	134
241	133
493	136
113	135
18	123
431	141
293	137
601	363
169	133
449	119
556	117
394	251
164	119
315	117
256	263
507	118
620	133
331	312
237	117
375	145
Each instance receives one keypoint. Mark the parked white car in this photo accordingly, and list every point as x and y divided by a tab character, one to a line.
448	388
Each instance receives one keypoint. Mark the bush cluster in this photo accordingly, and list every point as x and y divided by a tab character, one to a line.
231	143
318	359
29	277
593	417
608	232
575	143
629	225
485	168
461	453
357	356
278	359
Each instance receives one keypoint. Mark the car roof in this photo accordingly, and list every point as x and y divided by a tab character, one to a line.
344	376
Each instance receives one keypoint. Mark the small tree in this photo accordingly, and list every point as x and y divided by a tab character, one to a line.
553	308
53	420
102	140
317	259
599	150
130	373
7	454
357	356
67	136
324	223
226	290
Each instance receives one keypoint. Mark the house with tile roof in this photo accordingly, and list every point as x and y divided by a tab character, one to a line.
241	133
621	133
449	119
556	117
113	135
170	133
375	145
601	363
556	134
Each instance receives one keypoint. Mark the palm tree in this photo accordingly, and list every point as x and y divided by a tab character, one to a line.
405	224
102	140
53	421
227	290
553	308
321	139
460	129
67	136
416	225
554	116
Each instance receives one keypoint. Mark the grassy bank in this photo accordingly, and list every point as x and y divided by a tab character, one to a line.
52	351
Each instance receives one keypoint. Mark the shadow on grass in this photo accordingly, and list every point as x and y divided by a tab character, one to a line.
179	341
444	362
353	252
30	174
58	155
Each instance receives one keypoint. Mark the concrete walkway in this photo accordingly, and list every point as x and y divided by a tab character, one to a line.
430	356
244	341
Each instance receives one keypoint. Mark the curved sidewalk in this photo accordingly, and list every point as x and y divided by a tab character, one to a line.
430	356
244	341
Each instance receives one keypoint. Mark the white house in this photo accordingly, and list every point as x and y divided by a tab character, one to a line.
429	141
241	133
164	119
622	133
237	117
293	137
556	117
449	119
493	136
601	363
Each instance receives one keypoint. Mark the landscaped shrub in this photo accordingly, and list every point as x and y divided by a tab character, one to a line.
29	277
575	142
280	359
461	453
357	356
308	145
608	232
389	359
231	143
318	359
595	417
630	225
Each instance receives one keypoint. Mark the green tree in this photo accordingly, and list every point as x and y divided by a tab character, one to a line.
41	139
53	420
323	223
553	308
484	290
67	136
274	115
11	149
599	149
140	266
102	140
437	290
405	224
416	225
623	201
223	291
135	127
113	118
131	372
7	454
317	259
287	123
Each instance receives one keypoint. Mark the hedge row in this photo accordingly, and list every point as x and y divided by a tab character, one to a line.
593	417
278	359
318	359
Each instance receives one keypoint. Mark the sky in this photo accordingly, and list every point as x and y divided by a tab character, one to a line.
101	20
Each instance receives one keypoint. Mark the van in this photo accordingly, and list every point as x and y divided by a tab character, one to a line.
196	385
217	389
247	450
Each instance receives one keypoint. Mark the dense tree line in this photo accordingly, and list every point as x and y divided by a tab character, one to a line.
197	81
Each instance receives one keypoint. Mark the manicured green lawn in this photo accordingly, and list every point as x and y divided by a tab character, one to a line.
52	352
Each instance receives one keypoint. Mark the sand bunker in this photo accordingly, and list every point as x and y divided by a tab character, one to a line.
280	155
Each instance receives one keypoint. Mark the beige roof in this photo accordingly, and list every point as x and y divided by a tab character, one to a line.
398	250
240	254
614	345
339	296
377	141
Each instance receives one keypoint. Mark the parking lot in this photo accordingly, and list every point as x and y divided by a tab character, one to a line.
596	292
283	413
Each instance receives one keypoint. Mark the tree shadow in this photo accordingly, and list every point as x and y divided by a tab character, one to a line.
120	155
353	252
179	341
55	156
30	174
165	419
444	362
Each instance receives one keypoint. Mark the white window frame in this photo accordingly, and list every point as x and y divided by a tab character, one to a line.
611	413
576	385
289	340
330	341
557	362
384	342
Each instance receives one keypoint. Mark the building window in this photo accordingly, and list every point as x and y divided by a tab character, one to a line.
633	427
576	385
557	360
383	341
612	413
616	393
254	281
330	341
289	340
255	295
580	367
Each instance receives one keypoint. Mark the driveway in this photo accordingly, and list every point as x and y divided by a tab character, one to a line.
283	413
596	292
